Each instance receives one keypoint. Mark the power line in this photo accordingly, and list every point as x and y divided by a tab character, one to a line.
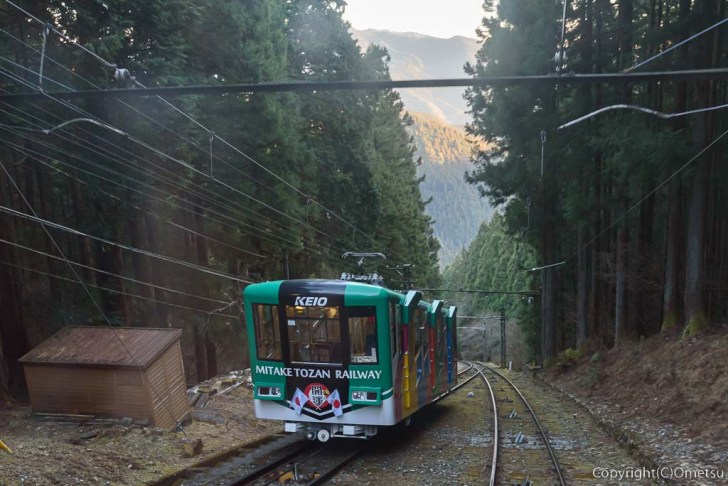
103	152
634	206
193	169
46	223
675	46
120	292
308	197
314	86
94	269
88	292
485	292
185	189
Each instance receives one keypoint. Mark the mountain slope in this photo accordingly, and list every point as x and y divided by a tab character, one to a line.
456	206
417	56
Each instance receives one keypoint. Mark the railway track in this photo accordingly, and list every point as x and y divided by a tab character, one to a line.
515	438
288	459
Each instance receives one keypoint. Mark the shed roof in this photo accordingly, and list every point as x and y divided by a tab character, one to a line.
103	346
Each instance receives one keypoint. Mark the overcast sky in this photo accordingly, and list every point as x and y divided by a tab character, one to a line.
438	18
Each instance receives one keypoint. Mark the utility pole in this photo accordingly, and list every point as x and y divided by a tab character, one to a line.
404	271
503	336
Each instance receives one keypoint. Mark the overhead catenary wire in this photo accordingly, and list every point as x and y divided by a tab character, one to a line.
238	224
111	274
675	46
125	162
49	224
127	294
642	109
176	160
193	169
26	151
328	211
139	112
257	215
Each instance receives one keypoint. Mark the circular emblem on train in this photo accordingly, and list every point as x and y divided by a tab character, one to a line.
317	394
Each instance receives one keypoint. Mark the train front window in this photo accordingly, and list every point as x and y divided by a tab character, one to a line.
363	334
314	334
267	332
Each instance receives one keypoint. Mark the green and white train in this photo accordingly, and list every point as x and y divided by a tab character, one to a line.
342	358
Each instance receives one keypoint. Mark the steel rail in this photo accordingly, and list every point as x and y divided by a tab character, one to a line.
456	387
260	471
334	469
495	433
536	420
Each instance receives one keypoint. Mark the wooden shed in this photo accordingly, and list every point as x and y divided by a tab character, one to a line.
109	372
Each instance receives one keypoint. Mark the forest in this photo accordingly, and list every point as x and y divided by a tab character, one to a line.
157	212
152	211
620	188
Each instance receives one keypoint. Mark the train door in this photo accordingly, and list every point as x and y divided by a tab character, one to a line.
451	344
422	356
434	321
395	337
409	318
440	355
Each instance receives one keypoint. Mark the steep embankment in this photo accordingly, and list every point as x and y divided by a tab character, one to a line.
670	392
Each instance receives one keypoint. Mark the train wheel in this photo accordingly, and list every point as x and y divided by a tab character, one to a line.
323	435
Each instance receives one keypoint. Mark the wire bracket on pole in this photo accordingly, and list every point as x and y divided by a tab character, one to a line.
543	143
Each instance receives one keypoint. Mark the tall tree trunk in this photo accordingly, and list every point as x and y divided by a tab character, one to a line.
671	309
13	339
85	249
642	294
582	290
695	315
204	346
46	212
671	303
124	300
158	276
620	313
141	266
582	280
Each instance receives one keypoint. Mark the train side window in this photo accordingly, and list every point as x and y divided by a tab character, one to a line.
267	332
363	334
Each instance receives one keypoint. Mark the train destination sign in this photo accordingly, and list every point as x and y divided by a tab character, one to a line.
319	373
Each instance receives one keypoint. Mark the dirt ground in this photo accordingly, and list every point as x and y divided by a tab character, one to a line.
50	453
673	384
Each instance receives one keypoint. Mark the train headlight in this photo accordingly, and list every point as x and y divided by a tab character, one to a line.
269	392
366	396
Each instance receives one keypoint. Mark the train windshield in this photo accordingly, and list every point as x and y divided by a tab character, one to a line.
314	334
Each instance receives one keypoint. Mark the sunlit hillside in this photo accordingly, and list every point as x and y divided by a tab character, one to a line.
456	206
